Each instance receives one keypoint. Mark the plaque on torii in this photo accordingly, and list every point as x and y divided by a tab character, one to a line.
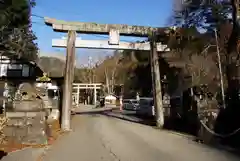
114	37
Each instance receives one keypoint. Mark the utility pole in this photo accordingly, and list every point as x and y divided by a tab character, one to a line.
107	80
112	81
90	77
90	74
68	80
156	83
220	71
113	74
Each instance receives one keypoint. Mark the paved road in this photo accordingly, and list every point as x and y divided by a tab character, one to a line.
96	137
27	154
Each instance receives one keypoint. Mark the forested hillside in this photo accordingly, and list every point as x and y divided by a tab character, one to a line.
54	67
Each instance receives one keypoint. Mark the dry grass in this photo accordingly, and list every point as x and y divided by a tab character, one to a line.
3	123
55	131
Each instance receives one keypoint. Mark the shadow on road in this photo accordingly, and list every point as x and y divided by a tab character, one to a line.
172	125
131	117
117	114
2	154
140	121
89	112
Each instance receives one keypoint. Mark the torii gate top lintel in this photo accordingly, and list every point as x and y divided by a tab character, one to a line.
95	28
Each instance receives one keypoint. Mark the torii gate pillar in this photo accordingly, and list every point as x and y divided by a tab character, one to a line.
68	80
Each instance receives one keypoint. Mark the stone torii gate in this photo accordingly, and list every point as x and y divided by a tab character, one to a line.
94	86
114	31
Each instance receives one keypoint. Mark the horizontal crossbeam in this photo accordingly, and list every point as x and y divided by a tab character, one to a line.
95	28
103	44
87	84
86	87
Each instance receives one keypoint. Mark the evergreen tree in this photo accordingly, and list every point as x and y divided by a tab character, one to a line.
17	38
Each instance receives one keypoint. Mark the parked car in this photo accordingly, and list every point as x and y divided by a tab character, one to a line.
146	107
130	104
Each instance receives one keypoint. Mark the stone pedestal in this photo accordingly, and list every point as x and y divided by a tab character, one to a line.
27	127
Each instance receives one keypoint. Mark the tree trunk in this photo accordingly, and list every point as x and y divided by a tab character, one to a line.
232	69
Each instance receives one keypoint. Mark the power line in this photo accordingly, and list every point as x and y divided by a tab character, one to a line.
100	36
34	15
38	23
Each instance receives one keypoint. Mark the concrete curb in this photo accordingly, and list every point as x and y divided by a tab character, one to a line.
218	146
227	148
23	154
19	150
188	136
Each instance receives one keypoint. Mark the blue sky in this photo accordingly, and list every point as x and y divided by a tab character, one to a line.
133	12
